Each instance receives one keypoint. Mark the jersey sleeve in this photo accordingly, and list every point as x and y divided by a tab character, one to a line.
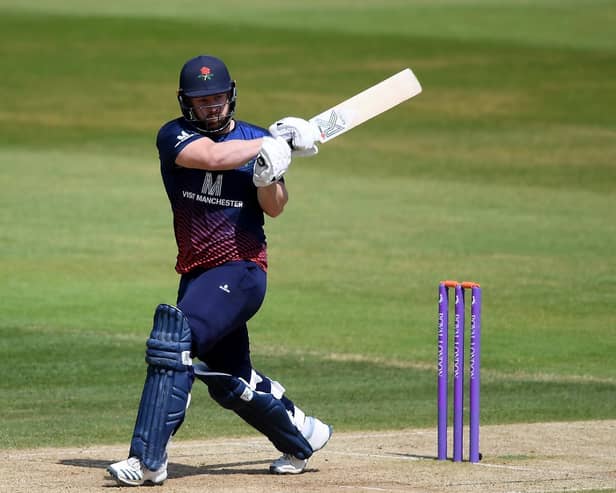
171	139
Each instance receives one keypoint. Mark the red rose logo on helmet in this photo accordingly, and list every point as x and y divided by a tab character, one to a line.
206	73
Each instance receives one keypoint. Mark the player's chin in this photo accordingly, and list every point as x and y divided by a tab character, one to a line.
215	125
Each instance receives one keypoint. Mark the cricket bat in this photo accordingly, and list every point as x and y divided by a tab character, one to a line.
366	105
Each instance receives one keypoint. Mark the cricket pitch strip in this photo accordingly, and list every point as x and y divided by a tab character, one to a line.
543	457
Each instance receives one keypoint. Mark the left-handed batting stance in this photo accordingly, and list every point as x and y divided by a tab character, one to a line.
220	175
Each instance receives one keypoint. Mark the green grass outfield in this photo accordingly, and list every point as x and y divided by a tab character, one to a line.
503	171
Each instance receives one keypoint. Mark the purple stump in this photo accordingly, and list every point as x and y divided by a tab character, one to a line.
443	368
458	375
474	370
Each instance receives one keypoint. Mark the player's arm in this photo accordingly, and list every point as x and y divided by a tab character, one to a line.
204	153
273	198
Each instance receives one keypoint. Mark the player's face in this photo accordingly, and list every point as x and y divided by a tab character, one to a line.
211	110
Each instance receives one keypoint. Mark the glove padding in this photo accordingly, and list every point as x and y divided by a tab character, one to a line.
299	133
272	162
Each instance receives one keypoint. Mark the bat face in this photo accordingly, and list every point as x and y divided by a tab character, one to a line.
366	105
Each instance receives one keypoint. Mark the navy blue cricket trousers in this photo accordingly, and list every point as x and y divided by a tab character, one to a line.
217	303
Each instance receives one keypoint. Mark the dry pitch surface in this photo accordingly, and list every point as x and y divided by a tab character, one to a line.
545	457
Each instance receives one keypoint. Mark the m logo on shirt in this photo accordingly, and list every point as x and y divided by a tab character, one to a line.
211	187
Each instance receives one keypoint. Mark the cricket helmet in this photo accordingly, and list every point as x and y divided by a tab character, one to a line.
206	75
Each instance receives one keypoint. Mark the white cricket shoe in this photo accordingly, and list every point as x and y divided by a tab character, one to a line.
317	434
132	472
288	464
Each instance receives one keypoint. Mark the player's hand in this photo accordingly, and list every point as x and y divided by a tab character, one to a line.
272	162
299	133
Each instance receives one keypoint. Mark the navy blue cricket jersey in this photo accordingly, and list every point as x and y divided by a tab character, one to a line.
216	215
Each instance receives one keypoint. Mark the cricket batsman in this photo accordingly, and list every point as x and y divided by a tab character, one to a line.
220	175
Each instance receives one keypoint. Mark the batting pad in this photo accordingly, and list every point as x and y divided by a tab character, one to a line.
261	410
167	386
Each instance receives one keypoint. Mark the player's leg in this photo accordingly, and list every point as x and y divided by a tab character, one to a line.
217	304
261	402
316	433
217	301
164	399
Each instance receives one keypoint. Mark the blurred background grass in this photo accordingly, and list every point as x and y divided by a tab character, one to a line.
502	171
